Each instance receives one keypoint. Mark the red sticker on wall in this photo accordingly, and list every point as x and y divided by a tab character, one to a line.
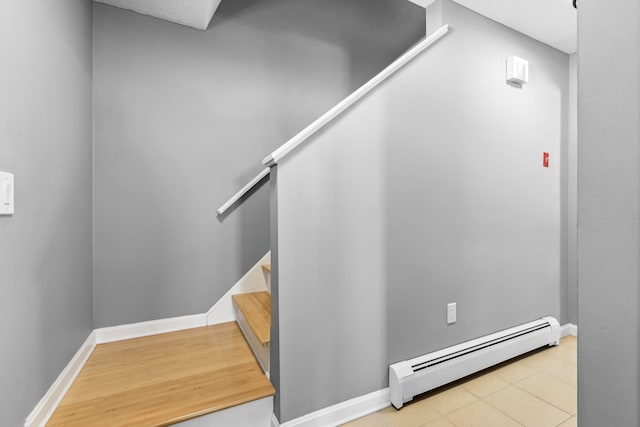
545	160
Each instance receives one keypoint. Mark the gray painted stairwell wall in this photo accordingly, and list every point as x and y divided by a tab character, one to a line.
430	190
570	197
183	119
608	206
45	248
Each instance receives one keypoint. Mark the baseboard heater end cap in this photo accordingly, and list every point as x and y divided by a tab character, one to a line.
556	330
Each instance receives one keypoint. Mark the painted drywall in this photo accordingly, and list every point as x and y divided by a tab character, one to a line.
571	188
45	248
430	190
472	216
183	119
274	345
608	200
331	266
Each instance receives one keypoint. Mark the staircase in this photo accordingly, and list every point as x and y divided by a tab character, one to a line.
179	377
254	318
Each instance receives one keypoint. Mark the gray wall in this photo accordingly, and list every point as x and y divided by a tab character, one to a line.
331	264
608	200
45	248
571	188
182	120
430	190
472	215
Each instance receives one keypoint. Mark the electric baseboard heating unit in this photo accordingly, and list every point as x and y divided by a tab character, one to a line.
421	374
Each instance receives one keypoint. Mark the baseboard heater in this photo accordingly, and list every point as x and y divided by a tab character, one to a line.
413	377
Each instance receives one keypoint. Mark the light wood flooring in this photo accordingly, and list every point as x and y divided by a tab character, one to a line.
535	390
164	379
256	308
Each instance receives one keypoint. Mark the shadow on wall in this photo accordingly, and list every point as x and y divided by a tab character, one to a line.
356	33
183	119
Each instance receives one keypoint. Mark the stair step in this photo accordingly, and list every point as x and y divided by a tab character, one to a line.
164	379
256	308
266	267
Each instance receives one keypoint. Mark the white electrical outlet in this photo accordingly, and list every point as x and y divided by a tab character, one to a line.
451	313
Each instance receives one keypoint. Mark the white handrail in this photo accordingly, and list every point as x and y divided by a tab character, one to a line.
244	190
277	155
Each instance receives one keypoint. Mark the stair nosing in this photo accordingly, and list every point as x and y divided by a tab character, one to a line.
238	300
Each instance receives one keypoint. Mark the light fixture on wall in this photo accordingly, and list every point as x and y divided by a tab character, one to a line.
517	71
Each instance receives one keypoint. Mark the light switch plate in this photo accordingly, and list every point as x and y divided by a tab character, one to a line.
6	193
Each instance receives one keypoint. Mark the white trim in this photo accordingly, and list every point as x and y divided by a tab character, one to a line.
274	421
49	402
244	190
314	127
253	281
341	413
251	414
152	327
569	329
221	312
573	330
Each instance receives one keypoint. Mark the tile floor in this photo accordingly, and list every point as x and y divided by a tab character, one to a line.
538	389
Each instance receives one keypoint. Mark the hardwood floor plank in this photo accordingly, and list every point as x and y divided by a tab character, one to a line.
164	379
256	308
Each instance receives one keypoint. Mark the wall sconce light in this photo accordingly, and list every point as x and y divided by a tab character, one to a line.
517	71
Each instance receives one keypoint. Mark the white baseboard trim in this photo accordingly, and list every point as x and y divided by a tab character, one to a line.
250	414
221	312
152	327
340	413
50	401
569	329
253	281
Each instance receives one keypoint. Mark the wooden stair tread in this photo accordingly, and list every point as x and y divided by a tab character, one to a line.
256	308
164	379
266	267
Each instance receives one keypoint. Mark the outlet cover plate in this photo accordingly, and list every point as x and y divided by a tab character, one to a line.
451	313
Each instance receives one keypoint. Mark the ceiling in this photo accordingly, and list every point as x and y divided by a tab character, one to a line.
192	13
553	22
